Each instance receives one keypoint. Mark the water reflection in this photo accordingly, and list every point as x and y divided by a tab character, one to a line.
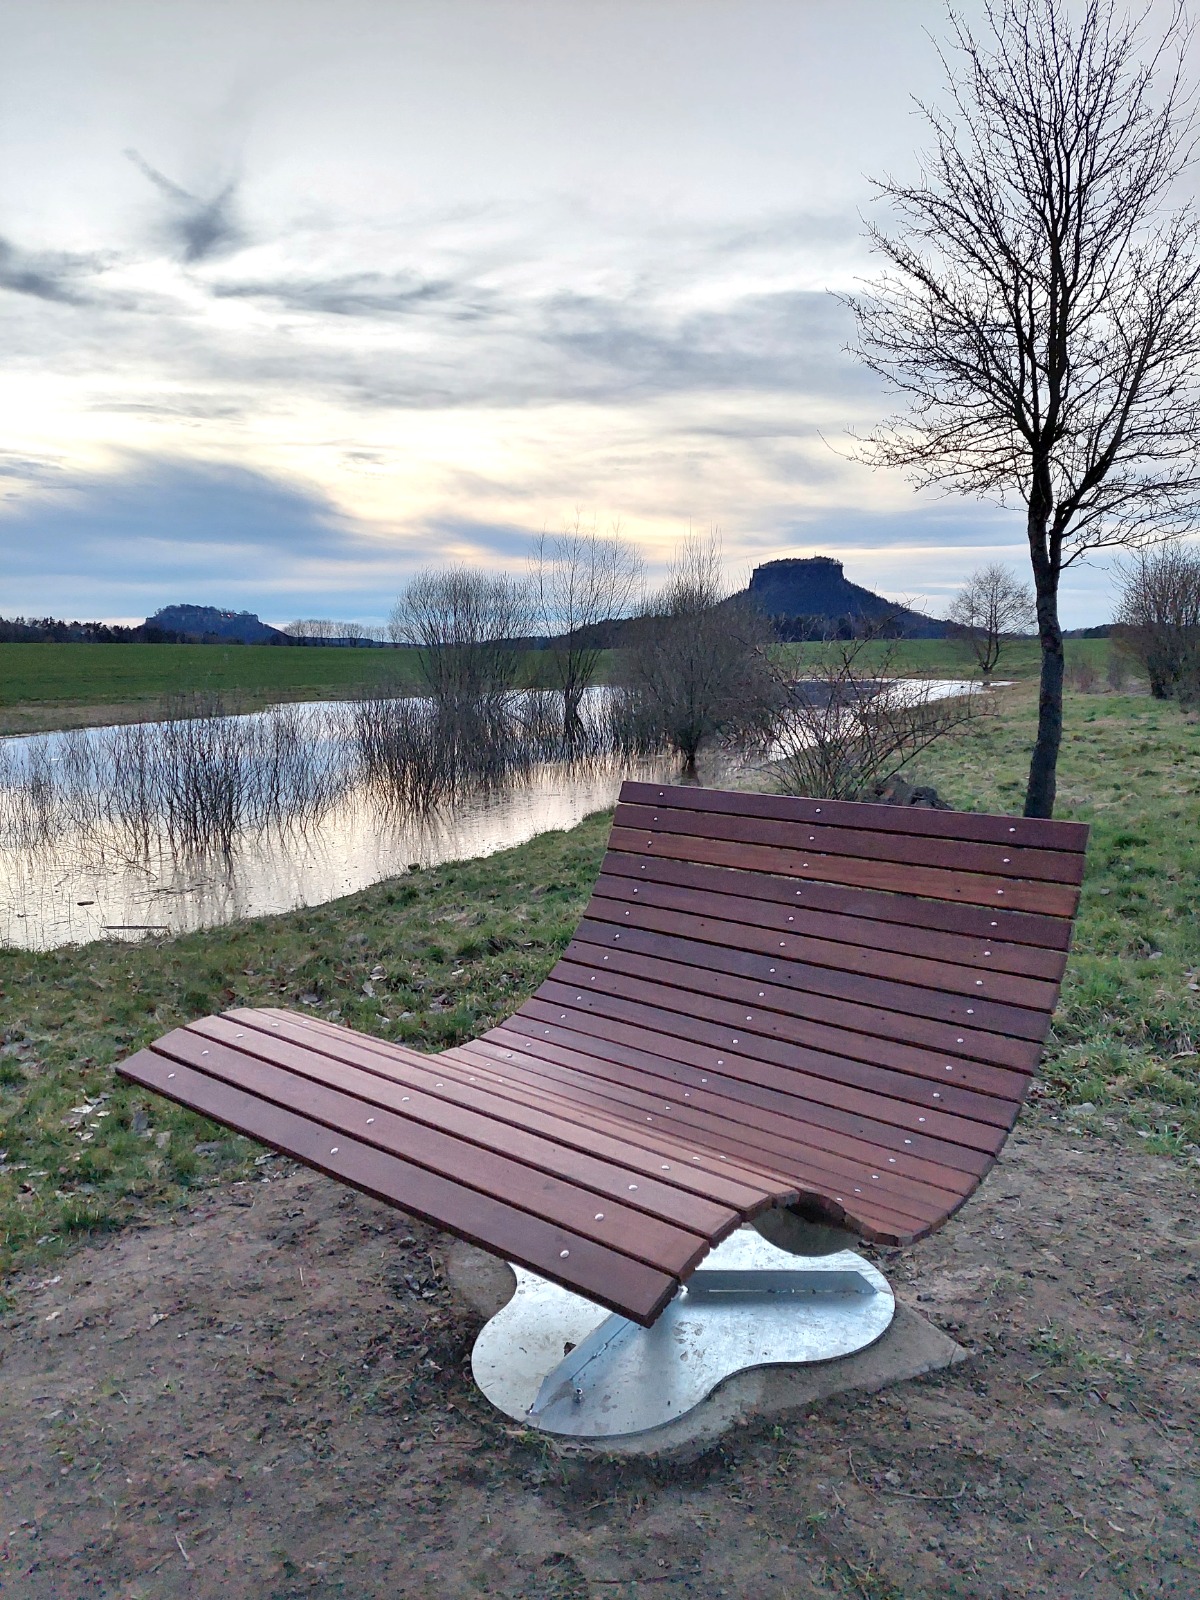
68	890
164	828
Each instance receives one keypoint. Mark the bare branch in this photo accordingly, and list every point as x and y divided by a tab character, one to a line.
1038	310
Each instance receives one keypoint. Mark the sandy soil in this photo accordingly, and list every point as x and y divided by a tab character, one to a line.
269	1396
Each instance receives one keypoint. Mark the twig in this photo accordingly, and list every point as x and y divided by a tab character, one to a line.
182	1551
1082	1520
904	1494
663	1577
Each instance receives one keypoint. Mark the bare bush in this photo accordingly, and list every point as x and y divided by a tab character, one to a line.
992	608
582	581
852	722
698	668
417	753
1116	668
192	783
1083	675
1158	617
467	625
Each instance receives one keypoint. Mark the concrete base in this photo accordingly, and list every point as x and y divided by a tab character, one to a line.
910	1347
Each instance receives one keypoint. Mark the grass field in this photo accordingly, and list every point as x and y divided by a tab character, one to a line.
462	944
106	674
1019	661
35	679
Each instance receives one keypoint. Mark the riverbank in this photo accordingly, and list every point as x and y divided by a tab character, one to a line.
48	686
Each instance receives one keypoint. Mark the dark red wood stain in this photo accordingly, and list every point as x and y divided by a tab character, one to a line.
769	1000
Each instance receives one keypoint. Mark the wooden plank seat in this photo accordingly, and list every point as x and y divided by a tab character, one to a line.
768	1002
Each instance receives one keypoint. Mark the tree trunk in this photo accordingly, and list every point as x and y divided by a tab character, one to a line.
1043	765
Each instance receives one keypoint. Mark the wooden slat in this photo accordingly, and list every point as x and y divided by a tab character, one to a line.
806	1176
861	843
934	883
619	1069
482	1119
811	1074
868	1215
505	1178
867	1212
727	1188
985	924
607	1276
781	963
862	1032
847	945
1032	832
755	1007
789	1140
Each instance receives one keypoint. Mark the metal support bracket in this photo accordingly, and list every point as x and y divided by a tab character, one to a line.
562	1364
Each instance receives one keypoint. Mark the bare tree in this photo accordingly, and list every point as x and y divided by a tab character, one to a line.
853	721
698	666
1039	309
1159	617
993	606
467	625
307	628
581	581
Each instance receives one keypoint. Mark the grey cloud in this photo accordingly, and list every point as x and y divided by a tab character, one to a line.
200	229
28	469
480	345
362	294
168	530
46	275
125	543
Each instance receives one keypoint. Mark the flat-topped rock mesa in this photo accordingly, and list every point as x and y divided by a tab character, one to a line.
210	622
810	596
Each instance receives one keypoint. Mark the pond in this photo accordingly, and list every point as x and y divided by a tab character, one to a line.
161	828
88	852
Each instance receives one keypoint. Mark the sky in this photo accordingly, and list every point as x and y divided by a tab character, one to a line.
296	298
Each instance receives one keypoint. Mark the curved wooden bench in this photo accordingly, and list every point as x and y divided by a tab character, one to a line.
769	1002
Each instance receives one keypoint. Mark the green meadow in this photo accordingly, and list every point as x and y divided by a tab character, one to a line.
44	675
45	683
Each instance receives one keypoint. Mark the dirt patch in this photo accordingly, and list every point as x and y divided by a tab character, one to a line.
269	1395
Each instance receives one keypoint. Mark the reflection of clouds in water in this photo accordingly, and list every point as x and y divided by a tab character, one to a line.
352	847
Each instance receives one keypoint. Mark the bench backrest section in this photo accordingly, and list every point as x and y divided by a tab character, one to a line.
882	974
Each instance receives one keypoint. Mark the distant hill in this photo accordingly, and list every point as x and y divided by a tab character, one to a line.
810	597
210	622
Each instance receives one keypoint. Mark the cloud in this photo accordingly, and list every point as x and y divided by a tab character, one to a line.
154	532
200	229
46	275
362	294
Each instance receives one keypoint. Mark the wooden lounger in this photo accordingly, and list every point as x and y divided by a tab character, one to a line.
769	1001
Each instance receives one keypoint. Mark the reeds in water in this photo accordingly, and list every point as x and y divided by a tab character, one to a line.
418	754
200	782
191	783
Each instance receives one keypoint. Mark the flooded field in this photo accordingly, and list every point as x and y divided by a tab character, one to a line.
162	828
200	819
